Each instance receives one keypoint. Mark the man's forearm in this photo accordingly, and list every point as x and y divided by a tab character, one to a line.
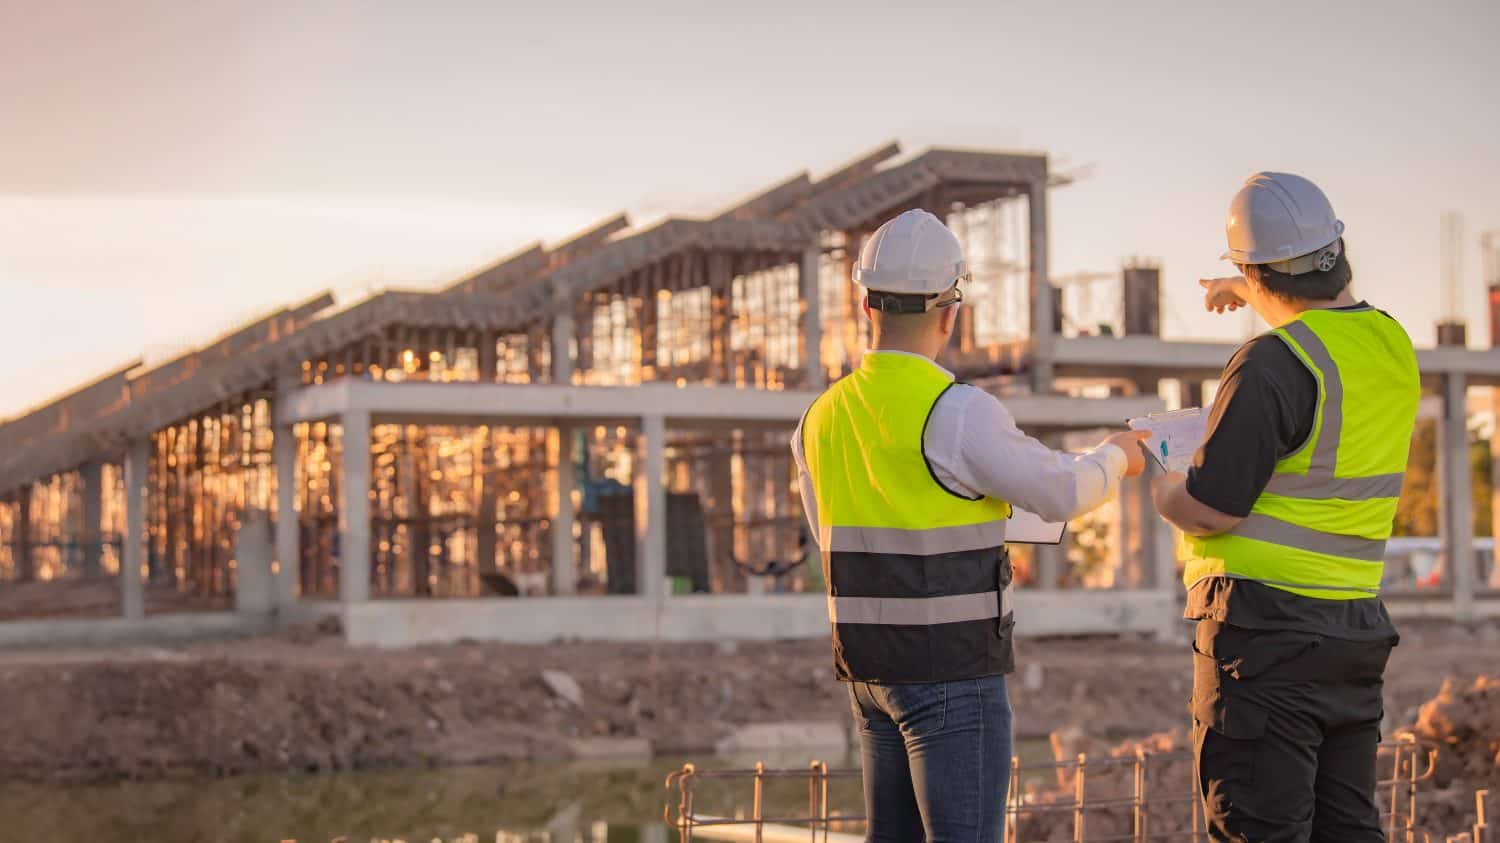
1170	495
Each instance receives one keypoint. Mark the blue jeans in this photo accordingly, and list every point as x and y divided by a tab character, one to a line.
936	759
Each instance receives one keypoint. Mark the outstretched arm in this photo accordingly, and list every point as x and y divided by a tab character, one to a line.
990	455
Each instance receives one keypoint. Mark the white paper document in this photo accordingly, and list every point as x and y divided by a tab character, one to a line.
1029	528
1175	436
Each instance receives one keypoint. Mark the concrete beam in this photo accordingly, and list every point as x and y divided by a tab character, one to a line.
1457	521
483	403
717	617
133	557
354	509
1130	356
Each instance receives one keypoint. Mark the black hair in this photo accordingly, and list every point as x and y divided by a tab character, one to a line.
1315	285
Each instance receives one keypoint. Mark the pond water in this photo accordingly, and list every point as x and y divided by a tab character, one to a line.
519	803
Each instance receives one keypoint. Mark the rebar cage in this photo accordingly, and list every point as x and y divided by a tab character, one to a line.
1128	797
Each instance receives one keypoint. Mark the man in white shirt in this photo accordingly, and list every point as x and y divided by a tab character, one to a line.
908	480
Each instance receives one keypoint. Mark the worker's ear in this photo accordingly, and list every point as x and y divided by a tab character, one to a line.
950	315
864	303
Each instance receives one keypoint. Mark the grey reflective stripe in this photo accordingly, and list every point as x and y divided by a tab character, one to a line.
1312	487
913	542
915	611
1267	529
1371	591
1326	451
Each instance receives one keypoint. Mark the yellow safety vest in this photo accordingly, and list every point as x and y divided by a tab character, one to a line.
914	571
1320	526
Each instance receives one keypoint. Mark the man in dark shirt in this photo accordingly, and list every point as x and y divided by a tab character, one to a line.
1284	516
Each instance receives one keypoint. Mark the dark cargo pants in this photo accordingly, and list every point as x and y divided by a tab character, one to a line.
1285	729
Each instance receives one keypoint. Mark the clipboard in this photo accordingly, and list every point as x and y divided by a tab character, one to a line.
1028	528
1175	436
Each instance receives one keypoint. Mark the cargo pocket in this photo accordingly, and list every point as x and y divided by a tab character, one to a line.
1225	745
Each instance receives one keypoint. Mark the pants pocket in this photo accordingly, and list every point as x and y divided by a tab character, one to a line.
1225	748
919	710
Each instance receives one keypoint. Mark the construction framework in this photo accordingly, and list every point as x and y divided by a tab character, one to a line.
602	418
1134	797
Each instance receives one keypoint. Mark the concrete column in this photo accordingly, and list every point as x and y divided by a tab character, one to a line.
1192	392
1494	579
288	551
1050	558
564	558
25	565
562	348
651	510
1135	553
92	476
133	555
489	504
354	509
488	357
1457	522
1042	338
812	316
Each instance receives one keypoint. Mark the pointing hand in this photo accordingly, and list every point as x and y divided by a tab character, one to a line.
1220	294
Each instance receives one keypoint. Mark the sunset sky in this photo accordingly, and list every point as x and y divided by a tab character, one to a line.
168	170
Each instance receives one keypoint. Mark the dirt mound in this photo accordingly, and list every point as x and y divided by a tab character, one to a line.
1463	722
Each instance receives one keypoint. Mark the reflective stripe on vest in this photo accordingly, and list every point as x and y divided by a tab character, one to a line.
915	611
1312	531
915	571
913	542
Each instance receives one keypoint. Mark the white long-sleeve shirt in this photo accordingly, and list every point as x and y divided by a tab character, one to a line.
975	448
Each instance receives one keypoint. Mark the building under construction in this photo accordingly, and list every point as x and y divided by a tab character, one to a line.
590	439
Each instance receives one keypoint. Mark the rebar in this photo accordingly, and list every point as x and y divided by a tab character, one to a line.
1140	811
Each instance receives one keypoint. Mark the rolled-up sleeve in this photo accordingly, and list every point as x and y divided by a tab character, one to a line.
993	457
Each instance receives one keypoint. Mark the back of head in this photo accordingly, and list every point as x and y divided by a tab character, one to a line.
910	268
1283	234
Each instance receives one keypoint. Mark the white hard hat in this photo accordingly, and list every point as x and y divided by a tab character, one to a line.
911	254
1285	221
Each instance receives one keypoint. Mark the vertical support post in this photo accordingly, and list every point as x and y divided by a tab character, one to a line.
564	559
489	505
1454	474
1494	579
1049	558
812	316
25	565
1042	337
562	348
354	509
1192	392
489	363
92	476
288	528
133	555
651	510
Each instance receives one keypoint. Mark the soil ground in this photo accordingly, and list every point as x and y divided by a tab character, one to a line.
303	700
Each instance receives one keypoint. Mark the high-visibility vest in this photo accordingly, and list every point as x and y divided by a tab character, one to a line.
1320	526
915	571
